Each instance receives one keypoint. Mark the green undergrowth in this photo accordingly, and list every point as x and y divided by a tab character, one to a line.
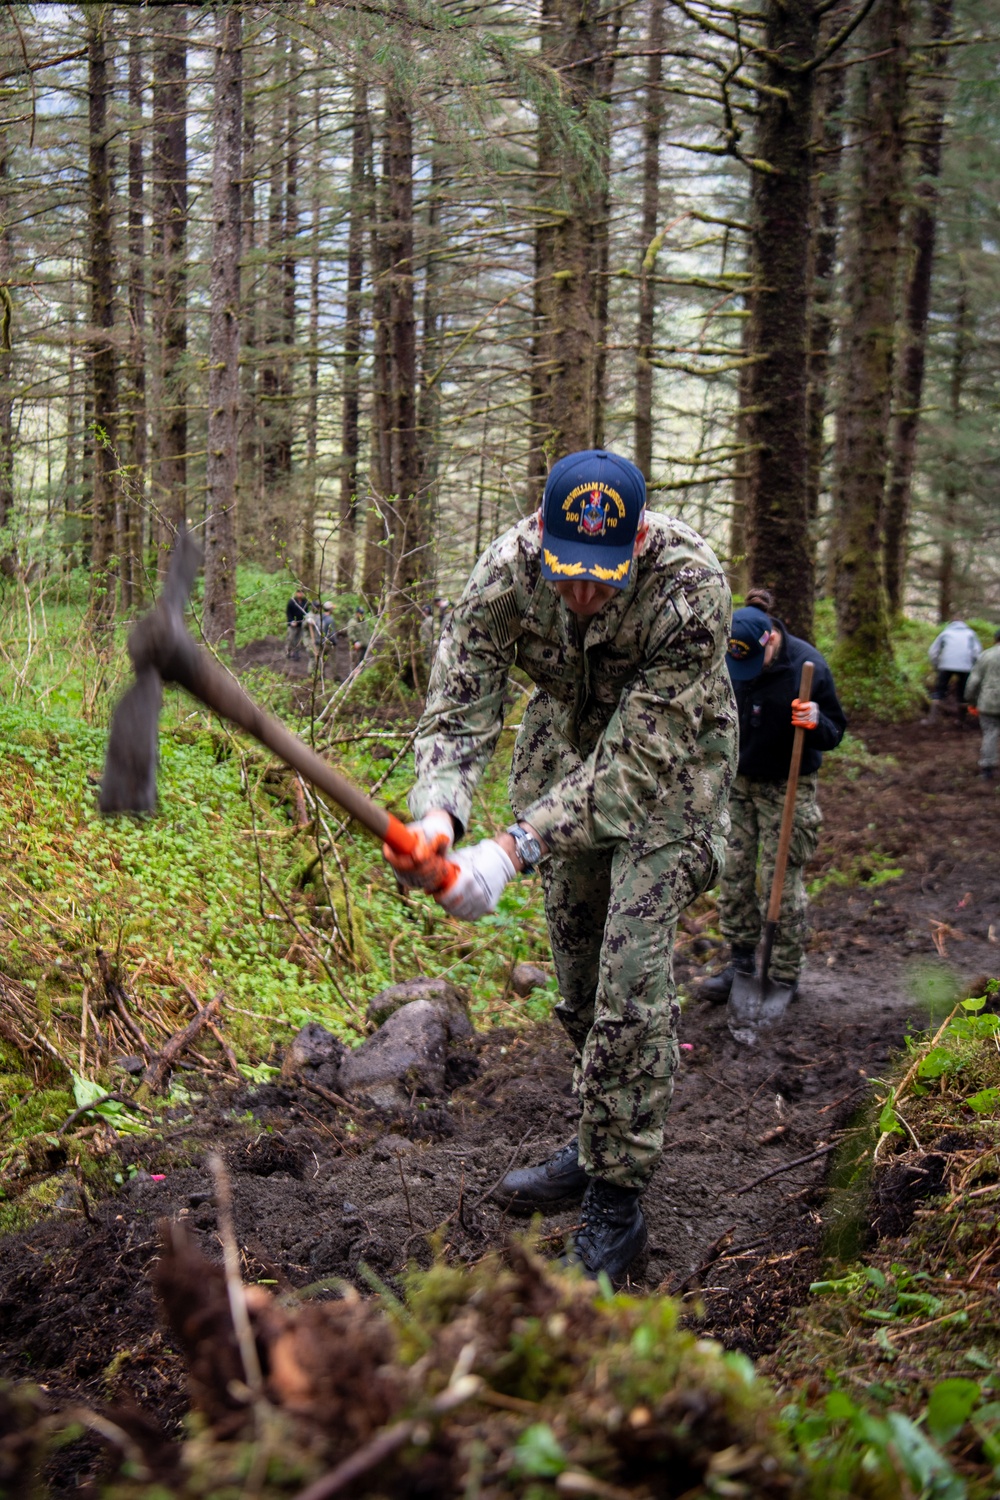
217	894
899	1349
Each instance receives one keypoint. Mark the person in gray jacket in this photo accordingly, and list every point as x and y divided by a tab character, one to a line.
954	654
983	689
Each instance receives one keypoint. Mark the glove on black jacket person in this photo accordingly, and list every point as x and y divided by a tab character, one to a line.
764	709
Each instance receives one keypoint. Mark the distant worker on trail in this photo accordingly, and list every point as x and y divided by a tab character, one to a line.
954	653
765	664
359	632
983	690
295	613
619	784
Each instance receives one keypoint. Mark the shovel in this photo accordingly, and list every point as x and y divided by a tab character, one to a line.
757	1002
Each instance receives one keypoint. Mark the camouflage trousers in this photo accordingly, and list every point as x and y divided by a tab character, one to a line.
755	808
989	750
612	915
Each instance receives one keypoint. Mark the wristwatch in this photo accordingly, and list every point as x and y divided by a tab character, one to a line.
529	850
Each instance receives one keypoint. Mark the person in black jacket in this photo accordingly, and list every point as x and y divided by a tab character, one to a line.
295	613
765	665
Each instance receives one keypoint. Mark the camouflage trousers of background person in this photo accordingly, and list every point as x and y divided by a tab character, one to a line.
989	750
612	915
755	808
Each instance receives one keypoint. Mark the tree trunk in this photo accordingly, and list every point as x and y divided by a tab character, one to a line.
828	135
313	576
360	211
917	299
959	359
251	482
409	541
651	129
870	277
429	402
6	360
133	418
779	554
375	569
169	289
103	578
570	241
222	464
277	377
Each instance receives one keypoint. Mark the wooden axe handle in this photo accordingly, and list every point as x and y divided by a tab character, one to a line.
200	676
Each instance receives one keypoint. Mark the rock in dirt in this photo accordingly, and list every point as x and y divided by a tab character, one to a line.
406	1056
527	977
452	1002
315	1055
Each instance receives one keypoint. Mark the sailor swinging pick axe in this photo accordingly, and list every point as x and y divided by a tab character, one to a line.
619	786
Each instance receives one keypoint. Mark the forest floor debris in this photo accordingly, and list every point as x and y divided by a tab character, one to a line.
735	1210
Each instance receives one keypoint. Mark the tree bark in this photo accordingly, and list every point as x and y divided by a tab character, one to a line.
651	130
870	278
408	541
917	302
360	214
222	464
956	384
169	288
571	240
779	553
6	358
133	417
828	135
103	577
313	576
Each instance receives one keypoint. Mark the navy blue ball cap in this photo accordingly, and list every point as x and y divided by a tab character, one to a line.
747	638
591	510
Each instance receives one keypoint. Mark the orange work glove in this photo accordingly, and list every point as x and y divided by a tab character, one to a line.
422	868
804	715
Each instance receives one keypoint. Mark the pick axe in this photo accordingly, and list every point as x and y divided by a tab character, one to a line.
163	650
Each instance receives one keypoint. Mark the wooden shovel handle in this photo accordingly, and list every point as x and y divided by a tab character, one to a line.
788	813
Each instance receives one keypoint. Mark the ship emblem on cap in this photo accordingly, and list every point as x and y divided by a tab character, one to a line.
593	515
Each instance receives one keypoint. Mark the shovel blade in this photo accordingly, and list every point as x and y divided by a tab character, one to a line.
753	1006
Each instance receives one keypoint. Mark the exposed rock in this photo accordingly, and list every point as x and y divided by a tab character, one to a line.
406	1056
452	1002
527	977
314	1055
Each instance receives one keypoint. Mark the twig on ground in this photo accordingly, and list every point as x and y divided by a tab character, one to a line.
234	1282
712	1254
96	1103
156	1074
331	1097
406	1191
799	1161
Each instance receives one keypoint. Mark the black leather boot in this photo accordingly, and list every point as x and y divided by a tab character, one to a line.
560	1179
716	989
612	1234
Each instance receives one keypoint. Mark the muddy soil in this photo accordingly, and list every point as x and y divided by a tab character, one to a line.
318	1192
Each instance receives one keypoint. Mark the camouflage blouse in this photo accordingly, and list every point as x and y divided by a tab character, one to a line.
631	731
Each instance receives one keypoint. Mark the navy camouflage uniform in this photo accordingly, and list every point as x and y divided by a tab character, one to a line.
622	765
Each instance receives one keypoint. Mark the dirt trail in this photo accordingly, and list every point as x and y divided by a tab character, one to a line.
316	1195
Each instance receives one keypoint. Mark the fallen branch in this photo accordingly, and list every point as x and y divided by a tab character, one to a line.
389	1441
799	1161
331	1098
714	1252
96	1104
156	1074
